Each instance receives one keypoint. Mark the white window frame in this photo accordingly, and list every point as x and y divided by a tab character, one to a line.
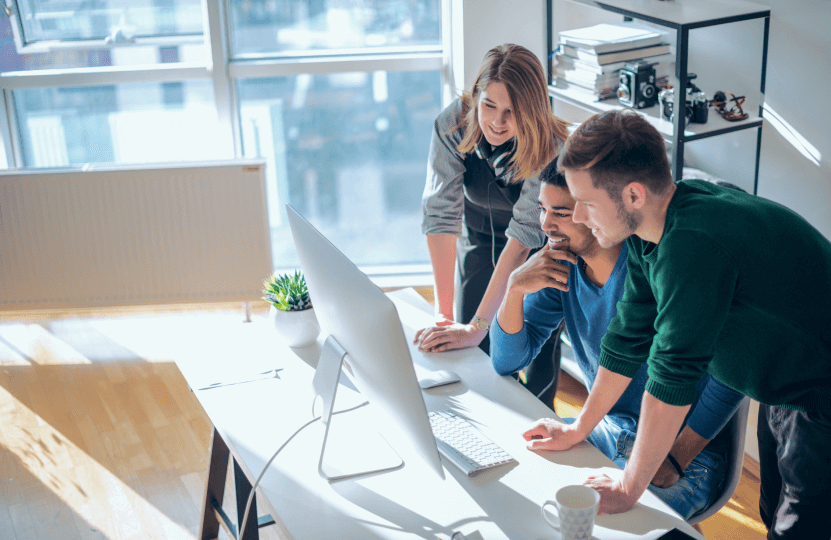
115	40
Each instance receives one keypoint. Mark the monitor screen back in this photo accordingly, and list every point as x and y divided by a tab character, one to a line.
366	324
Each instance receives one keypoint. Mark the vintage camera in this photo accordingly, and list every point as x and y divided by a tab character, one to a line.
637	85
696	106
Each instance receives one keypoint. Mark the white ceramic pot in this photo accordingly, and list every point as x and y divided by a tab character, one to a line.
297	328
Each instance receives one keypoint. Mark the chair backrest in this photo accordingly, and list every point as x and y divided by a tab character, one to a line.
735	461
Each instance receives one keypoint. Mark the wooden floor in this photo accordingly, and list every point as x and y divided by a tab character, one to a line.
100	437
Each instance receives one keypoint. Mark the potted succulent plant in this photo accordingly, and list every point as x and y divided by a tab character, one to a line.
291	308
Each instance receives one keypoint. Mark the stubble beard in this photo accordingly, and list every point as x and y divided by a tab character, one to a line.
630	220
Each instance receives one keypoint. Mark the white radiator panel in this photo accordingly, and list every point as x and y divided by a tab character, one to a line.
154	234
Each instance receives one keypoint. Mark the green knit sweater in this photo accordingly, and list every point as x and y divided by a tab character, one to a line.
738	286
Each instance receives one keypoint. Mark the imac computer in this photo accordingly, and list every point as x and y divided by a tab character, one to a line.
366	338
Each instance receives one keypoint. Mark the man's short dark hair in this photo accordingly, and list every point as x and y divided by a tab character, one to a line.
553	176
616	148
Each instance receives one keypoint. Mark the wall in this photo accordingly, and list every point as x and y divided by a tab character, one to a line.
795	165
487	23
799	175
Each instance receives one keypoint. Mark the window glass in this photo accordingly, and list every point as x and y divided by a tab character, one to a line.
44	20
268	26
349	152
130	123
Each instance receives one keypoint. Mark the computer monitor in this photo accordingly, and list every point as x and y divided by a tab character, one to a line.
356	314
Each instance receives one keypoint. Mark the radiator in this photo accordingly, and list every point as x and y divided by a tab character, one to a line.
149	234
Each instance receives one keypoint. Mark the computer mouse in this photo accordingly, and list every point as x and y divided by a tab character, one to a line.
438	378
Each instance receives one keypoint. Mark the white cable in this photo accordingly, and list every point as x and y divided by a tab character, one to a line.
257	483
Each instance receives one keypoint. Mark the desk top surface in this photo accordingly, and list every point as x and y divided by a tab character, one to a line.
256	418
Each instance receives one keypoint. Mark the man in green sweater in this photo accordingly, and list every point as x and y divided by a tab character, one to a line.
719	282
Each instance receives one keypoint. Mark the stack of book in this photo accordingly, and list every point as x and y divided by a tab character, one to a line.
589	59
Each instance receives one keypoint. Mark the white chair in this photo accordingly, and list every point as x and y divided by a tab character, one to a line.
737	427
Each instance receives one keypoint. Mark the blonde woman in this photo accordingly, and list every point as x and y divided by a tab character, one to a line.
480	203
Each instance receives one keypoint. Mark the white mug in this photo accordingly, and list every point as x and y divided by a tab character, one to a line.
576	508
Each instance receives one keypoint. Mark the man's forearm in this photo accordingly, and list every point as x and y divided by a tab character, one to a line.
687	446
658	424
607	388
511	314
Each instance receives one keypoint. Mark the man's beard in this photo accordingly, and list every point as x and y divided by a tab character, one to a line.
630	220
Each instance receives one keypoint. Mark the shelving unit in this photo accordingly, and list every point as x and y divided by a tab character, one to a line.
682	17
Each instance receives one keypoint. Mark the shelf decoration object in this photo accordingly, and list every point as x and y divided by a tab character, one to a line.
678	17
589	59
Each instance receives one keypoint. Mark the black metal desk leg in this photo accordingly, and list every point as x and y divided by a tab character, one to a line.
215	490
243	488
212	513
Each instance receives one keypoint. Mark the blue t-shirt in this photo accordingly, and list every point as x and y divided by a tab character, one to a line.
587	310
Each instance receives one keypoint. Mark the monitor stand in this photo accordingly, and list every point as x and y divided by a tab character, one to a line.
352	445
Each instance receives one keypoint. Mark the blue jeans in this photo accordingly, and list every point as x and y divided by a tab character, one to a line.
694	493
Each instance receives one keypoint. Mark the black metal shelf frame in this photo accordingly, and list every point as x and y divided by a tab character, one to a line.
682	31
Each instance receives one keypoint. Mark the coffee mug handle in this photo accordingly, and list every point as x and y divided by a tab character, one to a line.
545	517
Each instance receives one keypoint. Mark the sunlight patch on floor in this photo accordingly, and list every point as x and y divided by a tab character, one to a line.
37	345
739	519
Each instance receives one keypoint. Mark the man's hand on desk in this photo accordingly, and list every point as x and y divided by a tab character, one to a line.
613	498
445	338
550	434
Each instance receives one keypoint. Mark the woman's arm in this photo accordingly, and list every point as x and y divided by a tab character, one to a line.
442	249
442	205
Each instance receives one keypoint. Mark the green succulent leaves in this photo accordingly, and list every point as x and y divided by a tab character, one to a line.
287	292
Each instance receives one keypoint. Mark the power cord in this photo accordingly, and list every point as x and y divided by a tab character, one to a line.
244	522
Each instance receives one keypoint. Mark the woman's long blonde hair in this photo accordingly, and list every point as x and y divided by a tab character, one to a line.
539	133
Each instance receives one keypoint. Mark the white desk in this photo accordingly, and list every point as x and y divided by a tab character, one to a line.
256	418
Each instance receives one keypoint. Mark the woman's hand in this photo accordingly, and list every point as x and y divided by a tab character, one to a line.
445	338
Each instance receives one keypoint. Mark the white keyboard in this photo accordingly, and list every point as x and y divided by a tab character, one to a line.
460	442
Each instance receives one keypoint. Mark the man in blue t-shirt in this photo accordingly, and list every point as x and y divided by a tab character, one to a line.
578	280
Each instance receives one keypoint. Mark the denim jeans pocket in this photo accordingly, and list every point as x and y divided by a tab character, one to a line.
625	445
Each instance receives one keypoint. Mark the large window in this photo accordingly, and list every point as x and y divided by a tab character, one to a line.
338	96
349	152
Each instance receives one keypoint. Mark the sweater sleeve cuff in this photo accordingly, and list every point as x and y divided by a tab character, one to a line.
626	368
671	395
